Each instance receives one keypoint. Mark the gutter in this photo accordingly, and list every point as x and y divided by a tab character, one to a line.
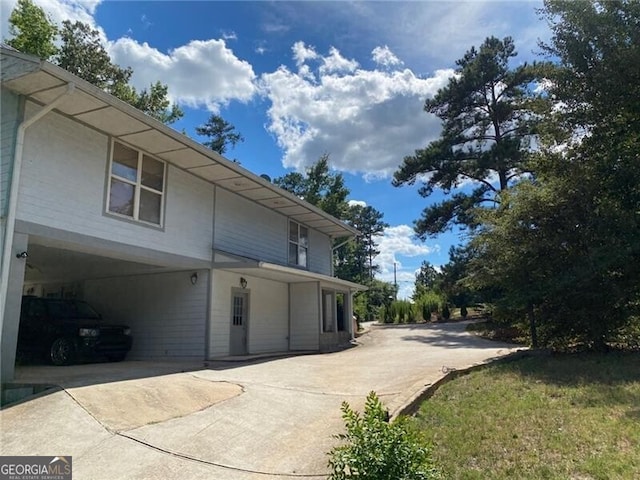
12	208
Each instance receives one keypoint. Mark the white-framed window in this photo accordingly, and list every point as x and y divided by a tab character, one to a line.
298	244
136	185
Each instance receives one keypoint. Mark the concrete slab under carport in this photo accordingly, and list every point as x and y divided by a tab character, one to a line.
282	424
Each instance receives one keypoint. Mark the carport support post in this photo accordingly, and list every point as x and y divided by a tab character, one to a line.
8	249
12	309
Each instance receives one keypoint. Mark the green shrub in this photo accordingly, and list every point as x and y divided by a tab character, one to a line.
375	449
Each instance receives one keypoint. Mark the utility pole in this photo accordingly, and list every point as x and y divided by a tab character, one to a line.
395	280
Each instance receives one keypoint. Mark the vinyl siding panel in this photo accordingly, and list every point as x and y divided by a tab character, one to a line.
64	184
248	229
220	316
268	316
319	252
251	230
9	121
305	316
166	313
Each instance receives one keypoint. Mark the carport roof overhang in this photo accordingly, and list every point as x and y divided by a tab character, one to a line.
280	273
41	82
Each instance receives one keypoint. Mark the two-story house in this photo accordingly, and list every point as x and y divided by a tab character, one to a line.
200	257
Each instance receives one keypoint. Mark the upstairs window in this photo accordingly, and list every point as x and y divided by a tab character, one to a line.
298	244
136	185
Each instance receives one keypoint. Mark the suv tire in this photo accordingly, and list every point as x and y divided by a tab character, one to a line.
62	351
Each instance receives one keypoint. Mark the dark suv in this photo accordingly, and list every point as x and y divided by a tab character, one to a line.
65	330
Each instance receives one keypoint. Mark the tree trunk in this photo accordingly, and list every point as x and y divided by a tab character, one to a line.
532	326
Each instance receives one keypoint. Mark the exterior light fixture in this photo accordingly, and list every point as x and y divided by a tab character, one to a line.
22	255
243	282
194	278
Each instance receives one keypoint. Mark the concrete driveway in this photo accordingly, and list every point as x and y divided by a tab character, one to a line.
264	419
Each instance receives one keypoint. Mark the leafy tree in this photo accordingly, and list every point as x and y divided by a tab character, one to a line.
565	249
489	113
376	449
221	134
155	103
83	54
319	187
32	30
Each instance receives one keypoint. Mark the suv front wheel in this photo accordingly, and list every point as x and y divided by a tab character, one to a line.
62	351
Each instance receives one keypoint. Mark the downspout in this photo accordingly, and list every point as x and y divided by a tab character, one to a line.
13	196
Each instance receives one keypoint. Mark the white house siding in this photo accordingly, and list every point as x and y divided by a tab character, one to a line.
319	252
245	228
166	313
64	186
268	315
9	107
305	316
268	328
248	229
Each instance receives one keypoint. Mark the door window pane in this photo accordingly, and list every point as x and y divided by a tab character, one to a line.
150	204
125	162
152	173
121	197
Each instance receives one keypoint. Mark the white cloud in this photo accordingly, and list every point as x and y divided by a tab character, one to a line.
385	57
230	35
336	63
360	203
367	120
199	74
402	251
302	53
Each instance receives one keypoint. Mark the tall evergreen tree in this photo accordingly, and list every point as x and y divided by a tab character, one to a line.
489	113
221	134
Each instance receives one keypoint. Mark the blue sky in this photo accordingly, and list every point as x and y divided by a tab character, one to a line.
299	79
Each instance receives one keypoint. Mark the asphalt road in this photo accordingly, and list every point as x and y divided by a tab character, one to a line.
269	418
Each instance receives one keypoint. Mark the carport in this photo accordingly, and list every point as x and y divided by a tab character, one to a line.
163	298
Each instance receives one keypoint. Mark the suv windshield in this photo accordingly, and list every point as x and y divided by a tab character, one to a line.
71	309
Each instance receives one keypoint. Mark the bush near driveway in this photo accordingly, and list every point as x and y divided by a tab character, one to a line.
375	449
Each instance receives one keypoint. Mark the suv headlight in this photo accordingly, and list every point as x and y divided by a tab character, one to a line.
89	332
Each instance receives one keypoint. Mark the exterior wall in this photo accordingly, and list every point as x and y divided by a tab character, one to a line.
268	326
166	313
62	157
248	229
10	119
245	228
319	253
305	316
268	316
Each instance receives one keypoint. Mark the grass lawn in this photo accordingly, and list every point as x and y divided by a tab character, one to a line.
552	417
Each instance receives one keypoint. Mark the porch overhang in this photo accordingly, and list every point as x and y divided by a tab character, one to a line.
280	273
